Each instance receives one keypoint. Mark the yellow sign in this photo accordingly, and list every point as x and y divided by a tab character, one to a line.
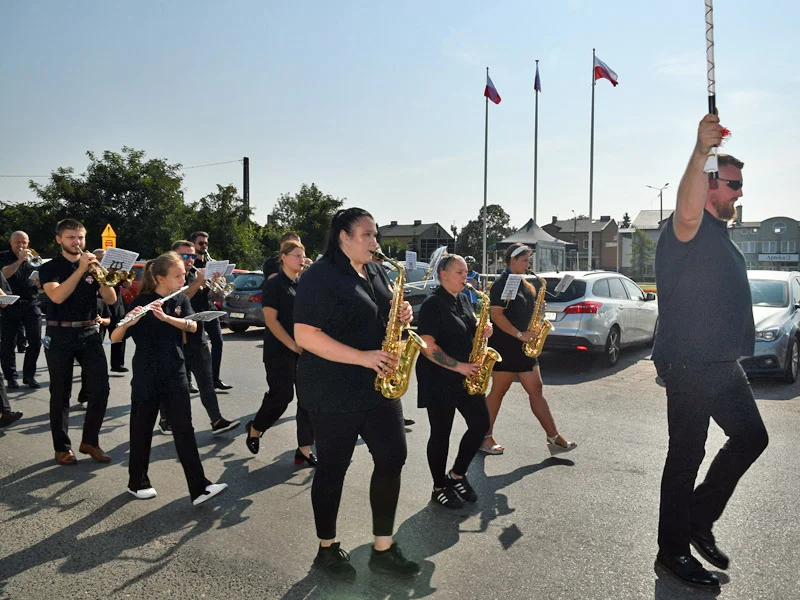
109	237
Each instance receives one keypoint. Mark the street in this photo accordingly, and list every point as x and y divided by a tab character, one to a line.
579	526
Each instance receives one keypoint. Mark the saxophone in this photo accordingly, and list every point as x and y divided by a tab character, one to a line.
538	325
481	353
395	384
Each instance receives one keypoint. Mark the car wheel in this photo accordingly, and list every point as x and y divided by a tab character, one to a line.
612	347
792	362
238	328
653	339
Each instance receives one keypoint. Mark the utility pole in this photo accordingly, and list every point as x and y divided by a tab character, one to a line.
246	184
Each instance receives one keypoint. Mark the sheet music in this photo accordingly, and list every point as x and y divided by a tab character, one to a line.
411	259
216	266
512	287
34	275
563	284
8	299
206	315
230	269
119	259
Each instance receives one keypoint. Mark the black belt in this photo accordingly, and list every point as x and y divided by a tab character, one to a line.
71	323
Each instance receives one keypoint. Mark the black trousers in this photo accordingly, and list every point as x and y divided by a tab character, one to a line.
337	433
4	405
117	349
29	318
281	375
695	394
476	414
86	373
214	331
85	346
198	361
144	410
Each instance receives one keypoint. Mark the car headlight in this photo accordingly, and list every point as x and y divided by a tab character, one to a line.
768	335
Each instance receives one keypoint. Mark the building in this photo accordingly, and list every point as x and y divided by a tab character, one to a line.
651	224
771	244
422	238
576	231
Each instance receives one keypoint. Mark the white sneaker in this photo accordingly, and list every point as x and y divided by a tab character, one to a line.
211	491
144	494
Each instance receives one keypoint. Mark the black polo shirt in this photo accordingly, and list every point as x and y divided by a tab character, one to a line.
20	282
352	310
705	310
271	266
450	320
279	293
519	310
81	304
158	360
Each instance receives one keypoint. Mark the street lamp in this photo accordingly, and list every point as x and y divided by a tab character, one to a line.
660	200
577	250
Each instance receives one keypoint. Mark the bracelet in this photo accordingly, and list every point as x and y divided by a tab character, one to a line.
186	327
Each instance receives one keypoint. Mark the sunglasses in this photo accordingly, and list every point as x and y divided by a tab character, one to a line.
202	243
192	256
734	184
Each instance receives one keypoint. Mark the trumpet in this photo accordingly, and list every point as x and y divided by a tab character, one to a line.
217	286
108	277
33	258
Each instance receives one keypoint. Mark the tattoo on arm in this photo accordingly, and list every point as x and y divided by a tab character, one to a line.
446	361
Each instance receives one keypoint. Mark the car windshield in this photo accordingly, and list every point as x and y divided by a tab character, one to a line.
249	282
769	293
576	289
412	275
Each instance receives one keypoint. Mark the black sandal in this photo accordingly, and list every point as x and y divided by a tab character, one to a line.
251	441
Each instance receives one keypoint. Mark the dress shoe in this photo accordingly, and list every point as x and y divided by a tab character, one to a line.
22	349
703	541
300	458
31	383
120	369
66	458
408	422
12	384
211	490
95	452
193	389
7	418
221	385
688	569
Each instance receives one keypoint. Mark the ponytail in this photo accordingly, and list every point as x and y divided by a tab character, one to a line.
155	267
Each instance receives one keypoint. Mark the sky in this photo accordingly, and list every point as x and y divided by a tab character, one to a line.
381	103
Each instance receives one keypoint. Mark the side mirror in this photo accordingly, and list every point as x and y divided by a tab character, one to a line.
649	296
797	305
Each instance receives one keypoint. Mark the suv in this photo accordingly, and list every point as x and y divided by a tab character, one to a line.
601	312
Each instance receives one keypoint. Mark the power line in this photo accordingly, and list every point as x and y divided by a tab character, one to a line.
227	162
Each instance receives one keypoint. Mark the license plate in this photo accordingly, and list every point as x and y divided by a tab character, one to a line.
237	315
550	316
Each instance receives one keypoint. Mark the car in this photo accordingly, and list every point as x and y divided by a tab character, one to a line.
416	287
130	292
243	306
599	312
776	313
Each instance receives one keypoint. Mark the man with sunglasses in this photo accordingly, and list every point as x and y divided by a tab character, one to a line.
705	326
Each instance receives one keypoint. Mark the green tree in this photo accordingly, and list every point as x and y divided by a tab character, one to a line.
308	213
470	239
392	247
34	219
626	221
642	253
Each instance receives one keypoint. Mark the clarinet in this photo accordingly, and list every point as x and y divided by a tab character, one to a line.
147	308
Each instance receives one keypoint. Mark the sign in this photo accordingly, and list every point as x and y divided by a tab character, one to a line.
787	258
611	244
109	237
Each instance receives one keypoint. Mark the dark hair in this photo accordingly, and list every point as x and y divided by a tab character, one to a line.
343	220
155	267
509	252
179	243
69	224
728	159
445	262
198	234
289	235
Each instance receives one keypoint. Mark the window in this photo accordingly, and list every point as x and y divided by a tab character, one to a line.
633	290
586	244
616	289
576	289
600	289
749	247
779	227
769	293
789	247
769	247
796	290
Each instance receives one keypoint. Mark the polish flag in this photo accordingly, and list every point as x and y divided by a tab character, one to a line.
537	83
603	71
491	92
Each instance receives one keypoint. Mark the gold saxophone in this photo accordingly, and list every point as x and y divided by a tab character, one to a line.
481	353
538	325
395	384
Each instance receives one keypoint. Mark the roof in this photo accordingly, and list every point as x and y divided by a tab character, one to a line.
771	275
400	230
579	225
650	219
530	233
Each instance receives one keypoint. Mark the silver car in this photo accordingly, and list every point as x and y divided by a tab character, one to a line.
600	312
776	312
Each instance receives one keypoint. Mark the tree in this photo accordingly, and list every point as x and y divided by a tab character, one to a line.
626	221
470	239
642	252
308	213
392	247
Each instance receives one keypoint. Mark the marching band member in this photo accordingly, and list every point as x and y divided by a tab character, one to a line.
272	265
7	416
511	319
340	314
159	378
70	283
447	324
280	355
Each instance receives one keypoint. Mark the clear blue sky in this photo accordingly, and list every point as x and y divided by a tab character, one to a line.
382	103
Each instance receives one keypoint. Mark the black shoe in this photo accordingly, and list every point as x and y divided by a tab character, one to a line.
447	497
392	562
164	427
193	389
8	418
31	382
688	569
462	488
120	369
300	458
408	422
12	384
22	349
251	441
221	385
703	541
223	425
335	562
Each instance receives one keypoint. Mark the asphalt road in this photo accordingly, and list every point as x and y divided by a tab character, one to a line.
582	526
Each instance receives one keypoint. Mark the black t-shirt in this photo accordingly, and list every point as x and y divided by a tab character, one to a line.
705	310
451	322
352	310
81	304
159	346
279	293
271	266
519	310
21	283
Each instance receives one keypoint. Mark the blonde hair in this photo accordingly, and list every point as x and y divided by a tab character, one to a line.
155	267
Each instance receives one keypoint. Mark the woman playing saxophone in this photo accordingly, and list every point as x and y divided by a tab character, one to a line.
513	321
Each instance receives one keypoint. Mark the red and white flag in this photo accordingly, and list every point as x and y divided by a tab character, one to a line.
603	71
491	92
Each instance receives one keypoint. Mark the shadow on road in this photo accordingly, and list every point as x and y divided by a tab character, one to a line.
569	368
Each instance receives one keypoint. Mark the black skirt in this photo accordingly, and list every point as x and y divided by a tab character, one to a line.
510	348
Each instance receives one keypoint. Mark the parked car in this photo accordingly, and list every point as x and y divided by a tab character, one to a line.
776	313
129	293
243	306
416	287
600	312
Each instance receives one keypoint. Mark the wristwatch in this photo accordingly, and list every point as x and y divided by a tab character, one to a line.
519	335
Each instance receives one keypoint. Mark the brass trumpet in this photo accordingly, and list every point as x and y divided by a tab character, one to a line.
108	277
217	286
34	259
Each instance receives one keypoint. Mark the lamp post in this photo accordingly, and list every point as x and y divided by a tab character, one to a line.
660	200
577	250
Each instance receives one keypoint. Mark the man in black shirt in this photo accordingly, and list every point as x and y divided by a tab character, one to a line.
705	326
70	282
7	416
272	265
24	313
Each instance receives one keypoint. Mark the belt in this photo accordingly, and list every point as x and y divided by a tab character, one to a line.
70	323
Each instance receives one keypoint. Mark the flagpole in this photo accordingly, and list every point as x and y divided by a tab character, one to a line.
485	166
591	171
535	145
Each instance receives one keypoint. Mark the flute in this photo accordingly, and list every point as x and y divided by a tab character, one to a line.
147	308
